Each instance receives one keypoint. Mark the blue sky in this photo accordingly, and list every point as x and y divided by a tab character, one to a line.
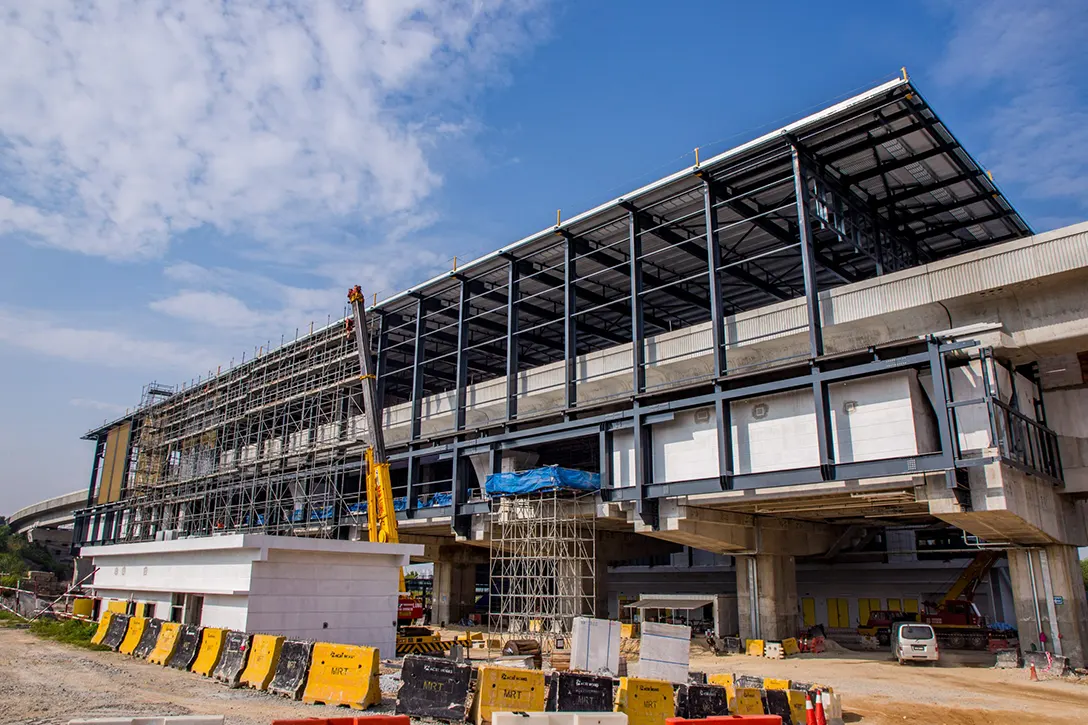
181	182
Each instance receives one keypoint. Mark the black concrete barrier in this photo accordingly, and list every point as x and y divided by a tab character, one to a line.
749	681
435	688
777	702
732	645
579	692
291	670
149	639
115	631
186	648
697	702
232	662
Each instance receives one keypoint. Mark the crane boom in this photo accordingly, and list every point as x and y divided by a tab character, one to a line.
381	518
968	581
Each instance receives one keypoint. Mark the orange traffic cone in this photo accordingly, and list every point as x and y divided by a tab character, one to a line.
821	718
810	713
1033	675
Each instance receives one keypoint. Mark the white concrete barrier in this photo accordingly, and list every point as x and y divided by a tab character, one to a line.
558	718
168	720
595	645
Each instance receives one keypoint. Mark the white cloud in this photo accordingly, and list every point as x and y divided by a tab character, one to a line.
127	122
97	405
45	335
1028	58
216	309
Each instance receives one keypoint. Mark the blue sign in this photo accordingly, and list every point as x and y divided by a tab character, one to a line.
1059	600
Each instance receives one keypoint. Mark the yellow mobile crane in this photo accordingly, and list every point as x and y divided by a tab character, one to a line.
381	517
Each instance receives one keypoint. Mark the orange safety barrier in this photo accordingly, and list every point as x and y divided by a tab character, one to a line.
726	719
366	720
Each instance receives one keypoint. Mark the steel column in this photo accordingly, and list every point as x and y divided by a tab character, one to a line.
462	357
605	466
570	329
101	444
416	425
821	405
714	261
382	364
638	325
417	373
808	263
647	507
513	285
942	396
722	417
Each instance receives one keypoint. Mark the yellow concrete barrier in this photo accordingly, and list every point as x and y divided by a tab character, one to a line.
164	647
753	647
790	647
207	657
83	607
132	635
103	625
507	689
264	654
117	606
770	683
343	674
749	701
797	705
645	702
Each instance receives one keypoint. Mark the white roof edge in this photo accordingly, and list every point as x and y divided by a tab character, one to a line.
736	150
258	542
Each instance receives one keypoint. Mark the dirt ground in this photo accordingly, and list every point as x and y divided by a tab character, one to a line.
44	683
963	690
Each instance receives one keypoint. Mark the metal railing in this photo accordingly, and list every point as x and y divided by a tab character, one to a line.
1024	440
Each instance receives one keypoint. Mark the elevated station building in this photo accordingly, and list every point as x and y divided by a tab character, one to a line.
819	369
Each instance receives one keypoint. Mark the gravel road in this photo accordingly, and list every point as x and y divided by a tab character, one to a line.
45	683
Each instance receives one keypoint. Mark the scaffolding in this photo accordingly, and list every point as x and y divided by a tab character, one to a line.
274	445
543	564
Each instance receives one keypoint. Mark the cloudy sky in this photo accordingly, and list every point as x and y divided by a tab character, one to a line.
181	182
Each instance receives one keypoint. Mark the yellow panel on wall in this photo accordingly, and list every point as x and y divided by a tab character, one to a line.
113	463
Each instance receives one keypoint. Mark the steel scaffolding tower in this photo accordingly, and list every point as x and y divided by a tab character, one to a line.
543	563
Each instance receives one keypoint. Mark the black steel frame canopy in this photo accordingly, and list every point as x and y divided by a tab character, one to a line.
869	186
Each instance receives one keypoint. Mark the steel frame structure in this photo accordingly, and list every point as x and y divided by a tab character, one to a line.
870	186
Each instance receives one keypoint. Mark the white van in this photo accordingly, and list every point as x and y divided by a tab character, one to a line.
914	642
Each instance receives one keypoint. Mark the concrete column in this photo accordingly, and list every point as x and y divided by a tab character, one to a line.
767	596
454	593
600	602
1056	575
511	461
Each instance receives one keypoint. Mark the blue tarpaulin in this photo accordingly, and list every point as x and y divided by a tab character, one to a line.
549	478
